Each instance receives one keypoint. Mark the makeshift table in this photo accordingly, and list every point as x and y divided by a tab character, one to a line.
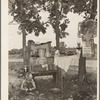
42	73
63	63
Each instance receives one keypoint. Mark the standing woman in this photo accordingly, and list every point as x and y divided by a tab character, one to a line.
32	62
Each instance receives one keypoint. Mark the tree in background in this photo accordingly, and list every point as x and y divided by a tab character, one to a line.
88	29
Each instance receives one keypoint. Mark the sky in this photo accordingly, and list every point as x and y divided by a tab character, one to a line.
15	40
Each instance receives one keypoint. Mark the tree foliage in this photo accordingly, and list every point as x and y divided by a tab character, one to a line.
88	7
89	26
27	13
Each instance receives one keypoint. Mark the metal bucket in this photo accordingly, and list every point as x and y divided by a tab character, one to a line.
41	53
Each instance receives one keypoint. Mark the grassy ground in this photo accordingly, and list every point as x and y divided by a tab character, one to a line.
44	84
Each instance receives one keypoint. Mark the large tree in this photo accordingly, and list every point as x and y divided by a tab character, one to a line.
26	12
27	16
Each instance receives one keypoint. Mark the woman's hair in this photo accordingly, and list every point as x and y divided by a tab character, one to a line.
35	55
32	56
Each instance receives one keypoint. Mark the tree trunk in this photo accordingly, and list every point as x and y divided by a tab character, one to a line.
57	26
24	46
29	48
57	38
82	69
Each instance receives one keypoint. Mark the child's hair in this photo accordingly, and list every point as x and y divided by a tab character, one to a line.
28	74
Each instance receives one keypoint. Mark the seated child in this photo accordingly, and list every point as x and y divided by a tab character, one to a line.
28	84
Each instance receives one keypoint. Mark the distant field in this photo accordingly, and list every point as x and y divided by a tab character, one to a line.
16	60
15	56
89	63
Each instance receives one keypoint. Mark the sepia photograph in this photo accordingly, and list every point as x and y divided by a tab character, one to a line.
52	49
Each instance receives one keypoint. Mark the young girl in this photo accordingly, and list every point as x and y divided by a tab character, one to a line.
28	84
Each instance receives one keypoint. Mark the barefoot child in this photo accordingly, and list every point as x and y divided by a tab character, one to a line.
28	84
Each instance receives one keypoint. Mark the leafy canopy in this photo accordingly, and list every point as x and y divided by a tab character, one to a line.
27	13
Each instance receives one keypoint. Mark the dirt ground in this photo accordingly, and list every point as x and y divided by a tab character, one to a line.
45	83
